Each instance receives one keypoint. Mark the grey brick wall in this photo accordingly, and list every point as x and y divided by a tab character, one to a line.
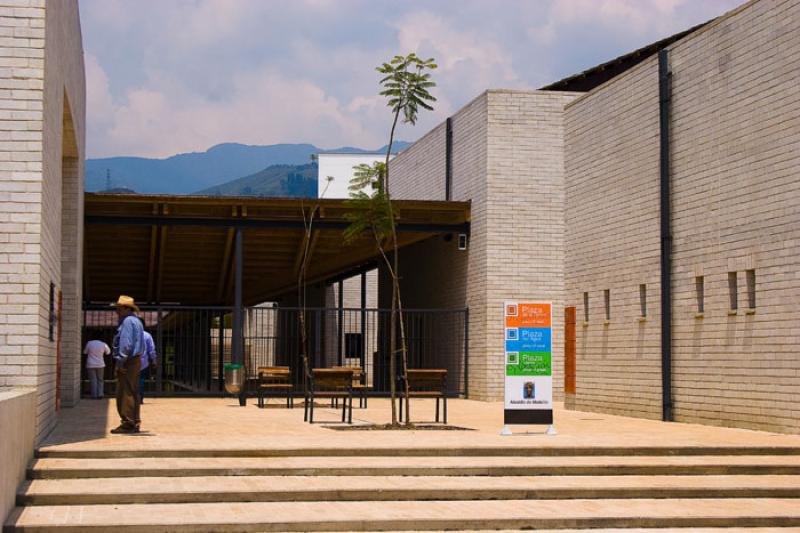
508	161
735	123
42	96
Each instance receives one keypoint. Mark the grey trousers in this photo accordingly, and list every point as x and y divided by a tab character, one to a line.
128	393
96	381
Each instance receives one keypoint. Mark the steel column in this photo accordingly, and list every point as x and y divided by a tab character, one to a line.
238	344
664	101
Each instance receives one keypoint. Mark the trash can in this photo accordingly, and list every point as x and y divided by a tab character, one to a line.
234	378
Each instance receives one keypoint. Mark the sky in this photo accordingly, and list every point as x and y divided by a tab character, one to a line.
172	76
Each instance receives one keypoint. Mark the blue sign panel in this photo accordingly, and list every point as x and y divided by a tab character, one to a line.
528	340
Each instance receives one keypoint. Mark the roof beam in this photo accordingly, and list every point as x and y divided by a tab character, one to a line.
225	267
162	247
151	270
414	227
226	264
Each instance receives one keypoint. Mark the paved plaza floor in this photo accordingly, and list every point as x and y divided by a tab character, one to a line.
207	464
220	423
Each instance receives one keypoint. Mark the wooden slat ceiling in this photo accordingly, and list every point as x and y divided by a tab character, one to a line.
180	249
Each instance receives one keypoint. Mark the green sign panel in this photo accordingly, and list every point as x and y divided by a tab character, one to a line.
529	364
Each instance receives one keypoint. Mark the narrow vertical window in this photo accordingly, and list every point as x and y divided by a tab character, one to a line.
607	300
751	289
643	299
699	288
586	307
732	290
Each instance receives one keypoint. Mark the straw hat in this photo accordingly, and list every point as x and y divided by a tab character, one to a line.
125	301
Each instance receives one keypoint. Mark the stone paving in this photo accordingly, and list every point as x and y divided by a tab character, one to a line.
219	423
210	465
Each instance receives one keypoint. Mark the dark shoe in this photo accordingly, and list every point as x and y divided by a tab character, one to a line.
124	429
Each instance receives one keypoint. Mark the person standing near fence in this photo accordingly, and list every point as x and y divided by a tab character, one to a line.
127	352
149	360
95	350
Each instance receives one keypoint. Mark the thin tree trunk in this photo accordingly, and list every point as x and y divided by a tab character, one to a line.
396	302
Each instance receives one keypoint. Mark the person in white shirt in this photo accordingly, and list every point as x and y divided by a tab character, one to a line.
96	366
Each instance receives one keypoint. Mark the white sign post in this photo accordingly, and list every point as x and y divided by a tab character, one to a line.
528	365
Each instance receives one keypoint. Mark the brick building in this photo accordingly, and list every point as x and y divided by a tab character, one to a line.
565	191
42	103
734	154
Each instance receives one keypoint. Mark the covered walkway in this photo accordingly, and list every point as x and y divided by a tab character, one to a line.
217	281
191	250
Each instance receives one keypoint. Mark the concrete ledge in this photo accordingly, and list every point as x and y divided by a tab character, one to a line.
18	423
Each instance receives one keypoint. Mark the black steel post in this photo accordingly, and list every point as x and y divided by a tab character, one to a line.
160	351
466	352
238	344
664	101
340	319
448	160
318	317
208	322
221	352
363	352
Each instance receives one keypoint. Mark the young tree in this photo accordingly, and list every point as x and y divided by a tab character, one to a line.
308	233
406	83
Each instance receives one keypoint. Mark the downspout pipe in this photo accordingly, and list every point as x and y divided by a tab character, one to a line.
448	160
664	104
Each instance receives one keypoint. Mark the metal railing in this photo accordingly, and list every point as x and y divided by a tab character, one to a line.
194	343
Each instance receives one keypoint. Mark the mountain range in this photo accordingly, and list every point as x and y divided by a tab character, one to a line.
225	169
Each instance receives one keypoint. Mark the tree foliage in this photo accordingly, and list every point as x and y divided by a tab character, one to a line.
406	83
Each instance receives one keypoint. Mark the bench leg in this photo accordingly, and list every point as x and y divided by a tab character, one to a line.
311	410
305	408
444	401
437	409
350	414
344	408
260	398
401	409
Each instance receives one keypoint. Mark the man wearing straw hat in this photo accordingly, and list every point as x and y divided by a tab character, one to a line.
127	353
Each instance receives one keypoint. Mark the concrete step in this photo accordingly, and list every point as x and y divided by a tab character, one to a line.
472	451
51	468
369	488
416	515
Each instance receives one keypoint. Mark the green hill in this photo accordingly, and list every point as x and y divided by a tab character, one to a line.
277	180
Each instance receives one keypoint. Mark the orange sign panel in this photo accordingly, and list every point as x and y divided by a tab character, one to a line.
528	316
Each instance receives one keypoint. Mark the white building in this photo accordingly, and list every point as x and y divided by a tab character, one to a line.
340	168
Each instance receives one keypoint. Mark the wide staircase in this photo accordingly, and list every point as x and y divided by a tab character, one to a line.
348	489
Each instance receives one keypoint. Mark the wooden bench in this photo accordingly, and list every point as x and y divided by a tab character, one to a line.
427	383
275	378
359	383
330	383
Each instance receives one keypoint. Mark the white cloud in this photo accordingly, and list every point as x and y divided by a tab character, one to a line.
264	107
165	77
469	62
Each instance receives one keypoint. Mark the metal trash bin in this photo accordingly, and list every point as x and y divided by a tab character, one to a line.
234	378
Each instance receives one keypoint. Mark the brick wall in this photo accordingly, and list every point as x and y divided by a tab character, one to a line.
508	161
613	242
736	188
21	95
41	169
735	198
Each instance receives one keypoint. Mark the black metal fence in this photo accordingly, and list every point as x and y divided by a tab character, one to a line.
194	343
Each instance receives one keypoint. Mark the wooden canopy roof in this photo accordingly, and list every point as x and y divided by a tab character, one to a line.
180	249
